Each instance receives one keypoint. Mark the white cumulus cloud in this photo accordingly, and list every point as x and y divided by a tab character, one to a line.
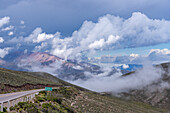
10	33
38	48
7	28
108	33
4	20
1	40
125	66
160	51
97	44
4	52
33	35
42	37
112	39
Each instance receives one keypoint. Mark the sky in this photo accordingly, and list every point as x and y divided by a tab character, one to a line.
63	24
67	16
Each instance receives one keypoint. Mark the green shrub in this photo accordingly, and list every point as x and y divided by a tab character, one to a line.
58	100
29	107
5	109
32	110
46	105
41	99
43	92
20	110
12	108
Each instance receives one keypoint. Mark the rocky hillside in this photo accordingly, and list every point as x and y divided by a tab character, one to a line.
75	100
157	94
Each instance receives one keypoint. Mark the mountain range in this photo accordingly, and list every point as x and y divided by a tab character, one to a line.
156	56
66	69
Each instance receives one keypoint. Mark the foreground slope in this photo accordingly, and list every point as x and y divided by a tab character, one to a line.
67	97
75	100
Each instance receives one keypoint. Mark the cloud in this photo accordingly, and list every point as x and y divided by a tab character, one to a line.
4	20
38	48
22	22
108	33
134	55
156	56
125	66
10	33
78	67
42	37
160	51
116	83
101	43
159	55
7	28
37	67
4	52
112	39
112	32
97	44
1	40
33	35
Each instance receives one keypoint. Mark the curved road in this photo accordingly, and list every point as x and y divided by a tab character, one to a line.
11	96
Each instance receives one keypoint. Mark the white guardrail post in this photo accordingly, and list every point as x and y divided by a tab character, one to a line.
8	107
2	107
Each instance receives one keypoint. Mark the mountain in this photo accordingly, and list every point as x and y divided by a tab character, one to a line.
156	94
65	69
66	98
156	56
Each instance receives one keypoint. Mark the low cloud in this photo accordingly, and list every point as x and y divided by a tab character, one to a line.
125	66
35	66
116	83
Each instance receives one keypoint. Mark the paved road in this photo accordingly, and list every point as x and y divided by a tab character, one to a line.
11	96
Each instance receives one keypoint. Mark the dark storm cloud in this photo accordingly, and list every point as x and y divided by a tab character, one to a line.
67	15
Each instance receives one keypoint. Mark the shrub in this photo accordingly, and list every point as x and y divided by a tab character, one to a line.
12	108
20	110
41	99
58	100
46	105
32	110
